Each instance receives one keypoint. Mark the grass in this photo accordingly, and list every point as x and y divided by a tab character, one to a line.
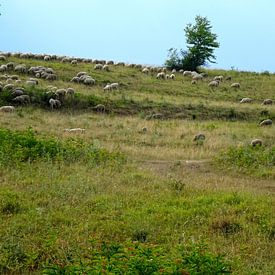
120	199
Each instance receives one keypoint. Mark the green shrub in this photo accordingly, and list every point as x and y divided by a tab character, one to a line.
25	146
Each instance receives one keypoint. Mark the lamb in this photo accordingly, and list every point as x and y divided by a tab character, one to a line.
214	83
75	130
54	103
22	99
267	102
98	66
256	142
266	122
246	100
7	109
161	75
199	137
99	108
235	85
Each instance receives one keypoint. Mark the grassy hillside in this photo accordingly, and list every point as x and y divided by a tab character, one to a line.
136	195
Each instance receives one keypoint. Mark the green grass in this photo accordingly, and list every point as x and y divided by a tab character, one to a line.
119	199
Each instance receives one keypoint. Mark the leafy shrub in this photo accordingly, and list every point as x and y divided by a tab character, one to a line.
248	159
22	146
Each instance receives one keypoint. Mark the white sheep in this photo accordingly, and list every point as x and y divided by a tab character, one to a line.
2	58
213	83
256	142
145	70
106	68
172	76
115	85
7	109
54	103
99	108
98	66
47	58
246	100
174	71
74	62
266	122
218	78
89	80
161	75
197	77
187	73
75	130
267	101
70	91
22	99
235	85
3	68
60	92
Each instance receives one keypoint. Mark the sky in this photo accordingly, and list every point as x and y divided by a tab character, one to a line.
140	31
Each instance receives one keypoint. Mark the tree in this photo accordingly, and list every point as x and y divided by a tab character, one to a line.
201	43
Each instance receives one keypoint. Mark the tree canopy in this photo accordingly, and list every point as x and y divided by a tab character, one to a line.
201	43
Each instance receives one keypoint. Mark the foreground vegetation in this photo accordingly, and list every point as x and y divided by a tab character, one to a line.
118	199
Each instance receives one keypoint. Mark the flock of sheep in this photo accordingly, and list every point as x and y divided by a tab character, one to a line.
12	82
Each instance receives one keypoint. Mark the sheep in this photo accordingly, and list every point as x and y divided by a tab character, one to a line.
145	71
197	77
266	122
47	58
228	78
8	87
106	68
199	137
7	109
75	130
115	85
81	74
167	76
21	68
14	77
235	85
70	91
110	62
187	73
2	58
218	78
60	93
17	92
181	71
74	62
31	82
256	142
107	87
22	99
9	80
161	75
98	66
174	71
89	81
3	68
246	100
172	76
54	103
51	77
213	83
10	65
193	82
99	108
267	102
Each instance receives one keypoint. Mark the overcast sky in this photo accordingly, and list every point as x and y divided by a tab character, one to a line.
140	31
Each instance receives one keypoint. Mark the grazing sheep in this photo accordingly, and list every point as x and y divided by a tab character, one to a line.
107	87
7	109
10	65
256	142
47	58
145	71
106	68
74	62
214	83
75	79
60	93
75	130
98	66
161	75
81	74
54	103
246	100
21	68
115	86
70	91
3	68
17	92
172	76
99	108
187	73
51	77
31	82
22	99
267	102
228	78
8	87
174	71
235	85
89	80
14	77
110	62
199	137
2	58
197	77
218	78
266	122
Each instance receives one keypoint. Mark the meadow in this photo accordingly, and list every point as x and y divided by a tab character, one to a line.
132	195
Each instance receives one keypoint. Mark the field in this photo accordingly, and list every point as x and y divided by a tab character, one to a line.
132	195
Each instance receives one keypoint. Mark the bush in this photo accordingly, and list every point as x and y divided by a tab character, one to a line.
25	146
